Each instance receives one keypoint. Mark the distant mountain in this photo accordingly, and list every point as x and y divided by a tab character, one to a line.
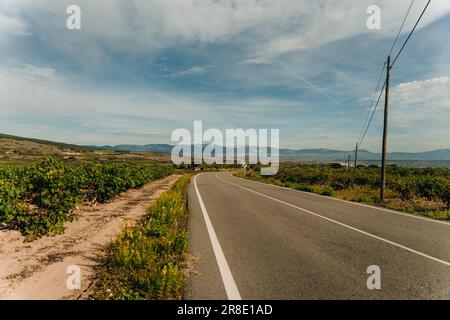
328	155
22	150
337	155
47	142
441	154
158	148
308	154
13	148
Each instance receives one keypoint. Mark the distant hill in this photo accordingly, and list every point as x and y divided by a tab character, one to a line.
338	155
308	154
157	148
17	150
48	143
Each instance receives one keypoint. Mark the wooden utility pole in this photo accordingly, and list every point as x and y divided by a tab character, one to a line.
356	157
386	113
348	162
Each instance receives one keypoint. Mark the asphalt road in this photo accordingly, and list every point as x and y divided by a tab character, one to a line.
258	241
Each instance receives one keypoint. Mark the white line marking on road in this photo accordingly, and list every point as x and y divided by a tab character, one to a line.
350	202
227	277
340	223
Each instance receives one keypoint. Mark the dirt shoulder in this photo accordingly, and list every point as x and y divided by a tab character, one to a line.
38	270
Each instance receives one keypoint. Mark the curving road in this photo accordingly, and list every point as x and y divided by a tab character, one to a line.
257	241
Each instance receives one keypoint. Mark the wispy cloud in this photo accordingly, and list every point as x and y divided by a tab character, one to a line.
35	73
331	21
308	83
188	72
270	28
80	111
13	25
139	67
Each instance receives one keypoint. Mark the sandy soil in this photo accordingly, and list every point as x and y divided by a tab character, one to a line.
38	269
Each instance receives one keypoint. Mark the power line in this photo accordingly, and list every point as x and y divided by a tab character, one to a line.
373	113
401	27
410	34
364	128
381	74
363	135
388	65
372	101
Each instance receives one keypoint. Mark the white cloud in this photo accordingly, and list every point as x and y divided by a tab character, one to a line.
13	25
43	104
418	116
191	71
36	73
272	27
255	31
335	20
423	102
56	96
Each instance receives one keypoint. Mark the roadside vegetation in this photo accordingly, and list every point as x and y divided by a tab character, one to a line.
424	191
145	261
37	199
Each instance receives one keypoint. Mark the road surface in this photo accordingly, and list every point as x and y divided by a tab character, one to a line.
259	241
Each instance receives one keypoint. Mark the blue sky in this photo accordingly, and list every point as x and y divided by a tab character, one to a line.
137	70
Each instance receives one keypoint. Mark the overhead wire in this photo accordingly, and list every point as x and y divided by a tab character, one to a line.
410	34
366	124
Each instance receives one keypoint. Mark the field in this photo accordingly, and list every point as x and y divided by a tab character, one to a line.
424	191
44	185
38	199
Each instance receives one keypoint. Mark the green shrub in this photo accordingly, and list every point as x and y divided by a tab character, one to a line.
411	185
39	199
365	199
446	197
53	186
12	207
328	192
305	188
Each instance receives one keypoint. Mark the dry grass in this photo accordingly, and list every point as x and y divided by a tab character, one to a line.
15	151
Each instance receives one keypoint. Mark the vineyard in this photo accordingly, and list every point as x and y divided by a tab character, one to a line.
37	199
417	190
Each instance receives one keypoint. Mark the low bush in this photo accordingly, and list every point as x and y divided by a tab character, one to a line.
328	192
38	199
416	190
365	199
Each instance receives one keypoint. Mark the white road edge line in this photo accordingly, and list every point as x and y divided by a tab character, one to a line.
227	277
341	224
350	202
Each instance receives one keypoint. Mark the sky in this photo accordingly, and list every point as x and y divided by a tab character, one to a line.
137	70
